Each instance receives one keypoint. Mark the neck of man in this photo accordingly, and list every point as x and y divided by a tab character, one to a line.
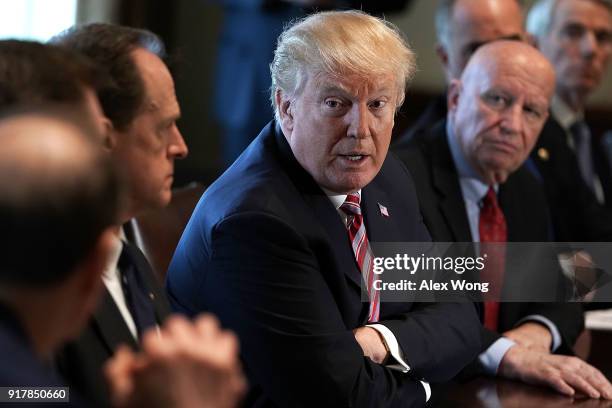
35	312
131	210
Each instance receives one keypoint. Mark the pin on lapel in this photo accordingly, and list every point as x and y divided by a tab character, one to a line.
383	210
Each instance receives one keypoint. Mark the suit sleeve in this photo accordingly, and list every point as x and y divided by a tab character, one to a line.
266	284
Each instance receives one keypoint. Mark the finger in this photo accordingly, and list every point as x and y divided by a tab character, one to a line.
552	378
580	384
207	325
117	373
599	381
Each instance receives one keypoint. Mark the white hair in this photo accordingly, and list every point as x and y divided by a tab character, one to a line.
340	43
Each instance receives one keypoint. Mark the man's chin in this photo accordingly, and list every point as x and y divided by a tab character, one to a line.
351	183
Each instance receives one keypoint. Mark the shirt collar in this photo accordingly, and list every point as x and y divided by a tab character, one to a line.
563	113
337	199
115	253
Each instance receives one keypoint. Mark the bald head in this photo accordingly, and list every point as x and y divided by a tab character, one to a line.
498	107
59	193
464	25
512	57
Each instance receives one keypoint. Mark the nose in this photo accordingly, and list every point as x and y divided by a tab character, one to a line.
359	121
177	148
512	120
588	44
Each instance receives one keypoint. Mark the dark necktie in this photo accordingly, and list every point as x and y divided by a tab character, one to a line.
361	248
582	141
136	293
492	229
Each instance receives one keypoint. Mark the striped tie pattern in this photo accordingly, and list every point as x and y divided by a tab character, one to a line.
361	248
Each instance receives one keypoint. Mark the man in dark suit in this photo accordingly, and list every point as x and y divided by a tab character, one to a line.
496	111
461	27
53	168
268	248
576	36
139	121
140	112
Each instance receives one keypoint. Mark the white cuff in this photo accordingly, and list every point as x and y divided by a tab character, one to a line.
394	348
427	390
396	353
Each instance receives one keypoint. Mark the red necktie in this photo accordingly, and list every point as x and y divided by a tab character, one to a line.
492	229
361	248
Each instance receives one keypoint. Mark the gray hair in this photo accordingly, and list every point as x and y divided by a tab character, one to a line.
540	17
340	43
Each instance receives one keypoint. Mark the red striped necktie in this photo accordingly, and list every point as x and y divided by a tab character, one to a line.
493	231
361	248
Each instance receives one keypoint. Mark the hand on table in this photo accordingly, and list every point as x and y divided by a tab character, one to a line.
188	364
567	375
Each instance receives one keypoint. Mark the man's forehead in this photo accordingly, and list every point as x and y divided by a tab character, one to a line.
592	12
519	80
353	83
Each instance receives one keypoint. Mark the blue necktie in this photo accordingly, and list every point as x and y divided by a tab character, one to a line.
136	293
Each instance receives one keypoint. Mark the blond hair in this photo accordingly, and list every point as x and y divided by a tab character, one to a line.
340	43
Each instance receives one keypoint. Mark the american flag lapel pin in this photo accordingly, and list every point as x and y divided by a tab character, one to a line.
383	210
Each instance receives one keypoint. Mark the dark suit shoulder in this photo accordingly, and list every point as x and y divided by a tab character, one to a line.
575	212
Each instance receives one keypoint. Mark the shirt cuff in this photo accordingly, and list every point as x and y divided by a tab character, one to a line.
427	390
396	353
394	349
552	328
492	357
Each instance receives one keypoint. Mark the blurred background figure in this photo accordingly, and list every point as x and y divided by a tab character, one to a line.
576	36
51	169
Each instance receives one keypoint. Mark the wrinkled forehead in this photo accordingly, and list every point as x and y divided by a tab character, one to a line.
531	79
353	83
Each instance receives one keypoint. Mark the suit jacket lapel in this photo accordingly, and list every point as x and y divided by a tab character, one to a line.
446	183
324	211
111	326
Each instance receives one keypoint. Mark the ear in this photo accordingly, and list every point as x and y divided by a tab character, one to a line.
284	106
442	55
109	137
454	91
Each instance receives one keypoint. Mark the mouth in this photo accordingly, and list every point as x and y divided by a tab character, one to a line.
502	146
353	159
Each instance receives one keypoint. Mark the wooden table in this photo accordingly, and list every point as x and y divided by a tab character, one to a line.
499	393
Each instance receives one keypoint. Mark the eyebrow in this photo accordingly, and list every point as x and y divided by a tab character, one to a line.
337	89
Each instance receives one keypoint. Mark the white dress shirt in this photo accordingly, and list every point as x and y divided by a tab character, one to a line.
112	280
